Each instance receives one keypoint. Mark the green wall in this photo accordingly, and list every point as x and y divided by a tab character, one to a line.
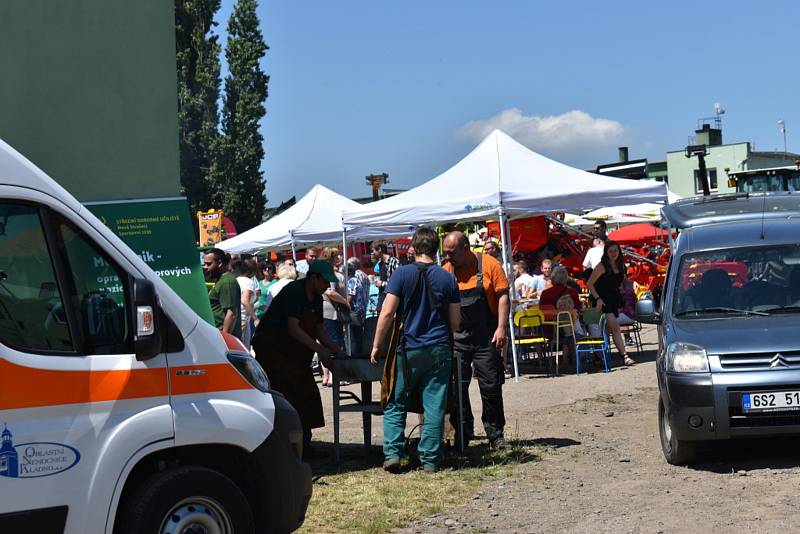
88	93
736	157
681	169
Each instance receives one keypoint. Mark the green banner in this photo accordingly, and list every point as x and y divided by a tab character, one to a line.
160	231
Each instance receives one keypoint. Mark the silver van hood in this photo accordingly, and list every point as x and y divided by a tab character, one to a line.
740	334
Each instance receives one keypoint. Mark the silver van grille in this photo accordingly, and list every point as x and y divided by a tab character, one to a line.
760	360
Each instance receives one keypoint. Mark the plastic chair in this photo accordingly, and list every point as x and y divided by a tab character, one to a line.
635	331
563	320
531	320
593	344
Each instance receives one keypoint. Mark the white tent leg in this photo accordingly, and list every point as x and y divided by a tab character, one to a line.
347	333
506	241
294	253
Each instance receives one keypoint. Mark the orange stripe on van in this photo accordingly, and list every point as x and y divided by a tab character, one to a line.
233	342
206	378
28	387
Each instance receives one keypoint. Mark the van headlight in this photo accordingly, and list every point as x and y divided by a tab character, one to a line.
687	358
250	369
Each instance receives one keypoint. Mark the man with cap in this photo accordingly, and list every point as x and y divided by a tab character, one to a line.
287	338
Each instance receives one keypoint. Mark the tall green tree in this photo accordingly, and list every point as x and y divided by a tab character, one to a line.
237	178
198	62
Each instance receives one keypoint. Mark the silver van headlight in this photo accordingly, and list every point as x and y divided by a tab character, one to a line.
686	358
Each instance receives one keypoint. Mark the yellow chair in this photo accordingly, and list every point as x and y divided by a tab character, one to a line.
528	324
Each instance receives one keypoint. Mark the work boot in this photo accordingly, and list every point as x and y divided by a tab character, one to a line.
392	465
499	443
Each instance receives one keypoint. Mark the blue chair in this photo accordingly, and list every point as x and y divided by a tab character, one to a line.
593	344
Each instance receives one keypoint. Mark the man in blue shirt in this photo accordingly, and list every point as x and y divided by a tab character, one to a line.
426	297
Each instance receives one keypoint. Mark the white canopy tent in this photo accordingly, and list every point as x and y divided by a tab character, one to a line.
315	218
501	175
501	178
646	212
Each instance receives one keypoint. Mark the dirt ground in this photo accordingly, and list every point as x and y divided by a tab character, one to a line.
602	469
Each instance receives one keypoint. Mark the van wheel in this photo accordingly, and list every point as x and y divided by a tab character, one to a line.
676	451
186	499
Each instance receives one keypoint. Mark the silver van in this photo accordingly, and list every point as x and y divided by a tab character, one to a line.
728	321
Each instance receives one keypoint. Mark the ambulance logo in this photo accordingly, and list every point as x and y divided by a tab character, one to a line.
33	460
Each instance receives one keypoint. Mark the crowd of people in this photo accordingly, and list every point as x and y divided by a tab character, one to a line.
609	292
294	315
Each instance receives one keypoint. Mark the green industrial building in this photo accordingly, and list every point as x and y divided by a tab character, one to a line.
683	172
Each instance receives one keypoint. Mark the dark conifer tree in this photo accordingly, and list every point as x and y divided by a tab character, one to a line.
237	180
198	64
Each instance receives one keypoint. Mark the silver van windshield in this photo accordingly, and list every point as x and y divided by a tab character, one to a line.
762	280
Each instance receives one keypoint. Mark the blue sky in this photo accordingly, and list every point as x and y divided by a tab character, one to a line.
410	87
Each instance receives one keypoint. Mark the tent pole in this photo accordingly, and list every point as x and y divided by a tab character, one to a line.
347	333
505	238
294	252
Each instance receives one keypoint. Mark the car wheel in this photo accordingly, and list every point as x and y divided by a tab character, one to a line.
186	499
676	451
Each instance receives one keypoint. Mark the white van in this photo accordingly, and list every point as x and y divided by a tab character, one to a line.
121	411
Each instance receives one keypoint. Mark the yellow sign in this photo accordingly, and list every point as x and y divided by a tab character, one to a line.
210	227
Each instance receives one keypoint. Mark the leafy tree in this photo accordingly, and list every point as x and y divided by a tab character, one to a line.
238	183
197	54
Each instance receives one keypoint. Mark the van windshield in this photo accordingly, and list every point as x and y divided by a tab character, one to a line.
751	281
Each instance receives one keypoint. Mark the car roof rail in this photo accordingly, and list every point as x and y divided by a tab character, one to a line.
720	197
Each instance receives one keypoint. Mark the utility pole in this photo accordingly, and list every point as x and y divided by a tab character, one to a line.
376	181
782	124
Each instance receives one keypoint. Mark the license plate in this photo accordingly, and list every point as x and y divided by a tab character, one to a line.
771	401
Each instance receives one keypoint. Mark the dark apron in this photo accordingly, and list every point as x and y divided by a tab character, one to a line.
288	366
383	276
478	323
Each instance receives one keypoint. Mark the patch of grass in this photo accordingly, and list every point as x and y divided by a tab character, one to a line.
359	496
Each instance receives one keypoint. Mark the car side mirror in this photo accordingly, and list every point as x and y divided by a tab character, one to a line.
647	312
147	333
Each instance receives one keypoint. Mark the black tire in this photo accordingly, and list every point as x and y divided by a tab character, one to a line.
186	493
676	451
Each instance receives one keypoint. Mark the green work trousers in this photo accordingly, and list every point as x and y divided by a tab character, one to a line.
428	373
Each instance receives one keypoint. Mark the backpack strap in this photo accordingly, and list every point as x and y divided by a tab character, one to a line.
421	270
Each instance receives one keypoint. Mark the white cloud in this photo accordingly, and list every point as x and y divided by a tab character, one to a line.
572	136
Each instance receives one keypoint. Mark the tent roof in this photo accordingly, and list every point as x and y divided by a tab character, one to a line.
500	172
647	211
315	218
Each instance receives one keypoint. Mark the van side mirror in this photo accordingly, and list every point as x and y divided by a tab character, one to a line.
647	311
144	315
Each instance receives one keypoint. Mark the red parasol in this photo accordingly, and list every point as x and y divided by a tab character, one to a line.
638	234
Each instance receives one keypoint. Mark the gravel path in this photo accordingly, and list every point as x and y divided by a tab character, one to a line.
602	469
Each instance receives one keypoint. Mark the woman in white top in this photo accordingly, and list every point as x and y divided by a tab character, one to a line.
245	270
286	274
335	296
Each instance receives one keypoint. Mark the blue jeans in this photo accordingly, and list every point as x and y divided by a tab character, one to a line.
429	373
